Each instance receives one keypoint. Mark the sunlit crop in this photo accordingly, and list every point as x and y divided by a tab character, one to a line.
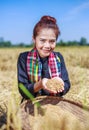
77	63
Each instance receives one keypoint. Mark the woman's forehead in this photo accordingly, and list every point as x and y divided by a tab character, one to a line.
47	33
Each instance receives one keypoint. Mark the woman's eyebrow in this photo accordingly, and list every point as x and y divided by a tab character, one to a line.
43	39
52	39
47	39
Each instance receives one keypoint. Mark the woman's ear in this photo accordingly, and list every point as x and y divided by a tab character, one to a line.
33	39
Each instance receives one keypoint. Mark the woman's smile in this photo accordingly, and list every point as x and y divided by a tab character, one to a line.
45	42
47	51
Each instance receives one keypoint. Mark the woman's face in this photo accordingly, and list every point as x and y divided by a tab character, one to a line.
45	42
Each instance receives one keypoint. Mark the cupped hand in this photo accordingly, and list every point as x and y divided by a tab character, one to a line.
61	84
44	81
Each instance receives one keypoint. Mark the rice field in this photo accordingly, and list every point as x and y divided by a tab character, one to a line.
77	63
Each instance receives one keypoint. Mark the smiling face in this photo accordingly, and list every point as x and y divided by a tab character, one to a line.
45	42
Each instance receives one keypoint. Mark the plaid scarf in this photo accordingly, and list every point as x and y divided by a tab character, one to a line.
34	65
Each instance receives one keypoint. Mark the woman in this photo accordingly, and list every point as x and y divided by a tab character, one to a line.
42	63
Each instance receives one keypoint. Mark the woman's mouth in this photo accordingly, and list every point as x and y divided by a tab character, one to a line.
46	51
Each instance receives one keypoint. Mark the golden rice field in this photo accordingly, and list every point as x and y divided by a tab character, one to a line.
77	63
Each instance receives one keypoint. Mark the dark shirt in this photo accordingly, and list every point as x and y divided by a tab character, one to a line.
23	76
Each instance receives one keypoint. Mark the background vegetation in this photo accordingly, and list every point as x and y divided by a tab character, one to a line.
82	42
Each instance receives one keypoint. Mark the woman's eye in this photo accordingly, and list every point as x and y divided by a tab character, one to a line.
42	40
52	41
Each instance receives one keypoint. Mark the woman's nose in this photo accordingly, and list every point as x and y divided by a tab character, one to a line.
47	44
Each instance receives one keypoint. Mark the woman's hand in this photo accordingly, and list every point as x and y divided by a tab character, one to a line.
44	82
61	84
56	89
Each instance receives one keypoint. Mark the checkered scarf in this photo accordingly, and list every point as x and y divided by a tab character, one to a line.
34	65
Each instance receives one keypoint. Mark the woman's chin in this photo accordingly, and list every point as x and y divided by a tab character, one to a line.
45	55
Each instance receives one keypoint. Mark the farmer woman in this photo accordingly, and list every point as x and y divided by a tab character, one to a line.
42	63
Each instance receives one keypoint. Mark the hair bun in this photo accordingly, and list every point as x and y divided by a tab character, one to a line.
48	19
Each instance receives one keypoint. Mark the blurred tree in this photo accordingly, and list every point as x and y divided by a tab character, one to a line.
5	44
1	39
21	44
83	41
61	43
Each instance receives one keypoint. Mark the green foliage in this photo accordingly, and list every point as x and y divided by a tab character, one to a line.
5	44
83	41
28	94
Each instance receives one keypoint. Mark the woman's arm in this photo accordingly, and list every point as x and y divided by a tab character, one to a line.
22	75
64	75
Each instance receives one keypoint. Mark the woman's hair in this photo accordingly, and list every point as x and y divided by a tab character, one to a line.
46	22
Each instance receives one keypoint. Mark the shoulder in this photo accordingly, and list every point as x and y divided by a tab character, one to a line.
22	56
59	55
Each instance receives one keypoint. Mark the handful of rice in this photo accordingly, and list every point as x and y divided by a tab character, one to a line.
54	84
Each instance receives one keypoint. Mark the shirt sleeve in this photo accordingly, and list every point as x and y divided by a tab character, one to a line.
22	75
65	76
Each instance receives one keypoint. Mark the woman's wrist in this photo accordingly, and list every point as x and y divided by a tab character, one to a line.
38	86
